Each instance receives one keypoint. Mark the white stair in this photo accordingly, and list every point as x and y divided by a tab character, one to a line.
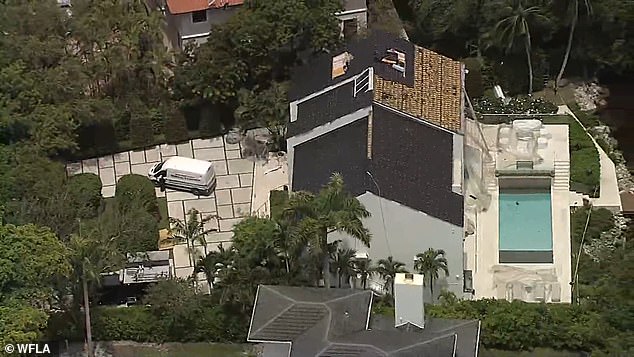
490	179
561	181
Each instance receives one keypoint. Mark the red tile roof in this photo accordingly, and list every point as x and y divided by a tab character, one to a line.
184	6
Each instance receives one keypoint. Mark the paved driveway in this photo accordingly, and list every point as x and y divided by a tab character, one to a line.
234	175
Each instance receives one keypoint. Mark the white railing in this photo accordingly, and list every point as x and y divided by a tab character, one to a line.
364	80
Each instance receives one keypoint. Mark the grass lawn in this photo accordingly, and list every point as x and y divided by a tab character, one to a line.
182	350
162	206
277	201
538	352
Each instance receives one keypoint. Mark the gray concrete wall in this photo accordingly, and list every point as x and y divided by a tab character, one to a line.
410	232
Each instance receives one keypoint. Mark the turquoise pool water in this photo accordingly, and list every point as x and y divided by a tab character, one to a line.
525	221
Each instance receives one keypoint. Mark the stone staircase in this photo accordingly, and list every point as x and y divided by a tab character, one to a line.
490	180
561	181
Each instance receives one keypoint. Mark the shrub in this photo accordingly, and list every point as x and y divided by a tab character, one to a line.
85	193
175	127
474	83
524	326
140	189
209	125
141	129
134	323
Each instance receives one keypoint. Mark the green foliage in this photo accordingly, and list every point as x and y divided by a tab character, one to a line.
474	82
277	202
209	124
175	127
85	193
266	108
141	131
517	105
32	260
136	188
523	326
176	312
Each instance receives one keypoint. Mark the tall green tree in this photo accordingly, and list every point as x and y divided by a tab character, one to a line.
192	231
573	6
343	264
363	269
515	27
331	210
430	263
387	270
91	256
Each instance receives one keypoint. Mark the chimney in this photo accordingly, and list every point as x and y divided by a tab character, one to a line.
408	300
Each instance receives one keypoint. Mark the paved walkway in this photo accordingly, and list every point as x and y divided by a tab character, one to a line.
609	187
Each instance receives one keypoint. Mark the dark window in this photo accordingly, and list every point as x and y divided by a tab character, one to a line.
349	29
468	281
199	16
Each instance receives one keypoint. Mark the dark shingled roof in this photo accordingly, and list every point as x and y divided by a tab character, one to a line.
411	161
332	322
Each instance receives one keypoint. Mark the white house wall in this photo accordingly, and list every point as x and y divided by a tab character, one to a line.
409	232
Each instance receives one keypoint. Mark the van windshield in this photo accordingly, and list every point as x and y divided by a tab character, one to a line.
158	167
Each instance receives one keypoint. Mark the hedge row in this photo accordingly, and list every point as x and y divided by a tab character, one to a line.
139	324
524	326
516	105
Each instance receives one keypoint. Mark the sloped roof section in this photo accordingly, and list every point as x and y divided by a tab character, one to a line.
333	322
184	6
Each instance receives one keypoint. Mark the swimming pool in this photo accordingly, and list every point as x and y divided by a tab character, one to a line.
525	234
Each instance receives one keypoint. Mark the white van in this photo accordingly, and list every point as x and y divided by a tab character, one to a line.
184	174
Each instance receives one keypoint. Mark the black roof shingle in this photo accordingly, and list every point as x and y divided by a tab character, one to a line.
333	322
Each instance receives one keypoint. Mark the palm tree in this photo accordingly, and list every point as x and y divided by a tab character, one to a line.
387	269
429	264
573	7
343	264
192	230
516	26
363	269
90	257
332	210
213	264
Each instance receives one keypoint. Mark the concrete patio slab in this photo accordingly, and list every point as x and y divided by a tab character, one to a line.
207	143
180	196
152	154
108	191
241	209
225	212
220	167
159	193
106	161
223	197
241	195
226	225
234	154
201	205
210	154
240	166
73	169
167	150
107	176
246	180
185	150
211	225
121	157
176	210
137	157
230	181
121	168
90	166
231	146
141	169
215	238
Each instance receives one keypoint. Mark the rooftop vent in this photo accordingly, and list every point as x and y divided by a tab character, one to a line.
340	64
396	59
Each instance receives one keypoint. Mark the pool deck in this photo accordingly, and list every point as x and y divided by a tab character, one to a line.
492	279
